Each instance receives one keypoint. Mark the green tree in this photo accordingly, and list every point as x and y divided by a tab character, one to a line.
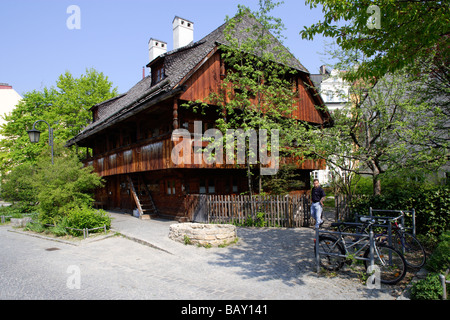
405	33
65	107
386	127
408	36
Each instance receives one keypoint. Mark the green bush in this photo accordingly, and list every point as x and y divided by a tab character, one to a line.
431	203
259	221
35	227
58	230
85	217
429	288
57	188
18	184
362	185
11	211
439	260
64	186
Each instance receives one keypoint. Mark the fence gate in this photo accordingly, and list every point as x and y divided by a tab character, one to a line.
200	213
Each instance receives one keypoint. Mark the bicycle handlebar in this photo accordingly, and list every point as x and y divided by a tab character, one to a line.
369	220
382	220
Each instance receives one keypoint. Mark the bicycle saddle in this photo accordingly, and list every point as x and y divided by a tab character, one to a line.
372	220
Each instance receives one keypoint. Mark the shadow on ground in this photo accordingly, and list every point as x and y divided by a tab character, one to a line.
287	255
270	253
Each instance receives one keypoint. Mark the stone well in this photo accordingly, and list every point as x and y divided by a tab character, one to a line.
203	234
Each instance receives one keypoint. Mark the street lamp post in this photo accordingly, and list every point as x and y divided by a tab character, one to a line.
35	134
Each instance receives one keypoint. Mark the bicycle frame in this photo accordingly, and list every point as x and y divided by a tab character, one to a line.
390	263
392	228
356	255
370	243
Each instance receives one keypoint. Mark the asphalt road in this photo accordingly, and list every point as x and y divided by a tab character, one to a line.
264	264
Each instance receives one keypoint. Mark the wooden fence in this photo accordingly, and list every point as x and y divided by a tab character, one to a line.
342	206
277	211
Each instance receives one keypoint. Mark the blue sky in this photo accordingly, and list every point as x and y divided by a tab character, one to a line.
37	46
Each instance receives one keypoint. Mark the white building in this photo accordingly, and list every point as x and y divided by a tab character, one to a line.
335	93
9	98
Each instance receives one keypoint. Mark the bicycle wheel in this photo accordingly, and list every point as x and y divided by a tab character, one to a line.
328	244
411	249
391	263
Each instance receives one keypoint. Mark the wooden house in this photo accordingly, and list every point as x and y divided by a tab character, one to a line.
131	135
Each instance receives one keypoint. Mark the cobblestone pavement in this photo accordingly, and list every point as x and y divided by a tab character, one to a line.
264	264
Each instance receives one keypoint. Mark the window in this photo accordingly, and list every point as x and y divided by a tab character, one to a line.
211	186
235	185
207	186
231	185
157	73
202	188
170	187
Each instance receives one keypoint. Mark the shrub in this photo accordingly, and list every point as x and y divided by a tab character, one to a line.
35	227
59	230
429	288
362	185
17	185
439	260
64	186
259	221
11	211
85	217
432	204
57	188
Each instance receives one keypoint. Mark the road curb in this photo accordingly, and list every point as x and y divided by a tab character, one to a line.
72	243
141	241
43	237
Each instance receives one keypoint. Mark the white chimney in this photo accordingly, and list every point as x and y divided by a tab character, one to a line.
183	32
156	48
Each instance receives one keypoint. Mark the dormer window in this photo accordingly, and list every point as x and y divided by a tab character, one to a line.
157	73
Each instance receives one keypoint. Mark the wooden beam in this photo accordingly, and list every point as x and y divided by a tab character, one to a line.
175	113
135	196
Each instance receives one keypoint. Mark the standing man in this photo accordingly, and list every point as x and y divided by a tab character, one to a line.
317	198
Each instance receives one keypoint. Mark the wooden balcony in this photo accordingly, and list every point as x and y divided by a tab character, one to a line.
156	154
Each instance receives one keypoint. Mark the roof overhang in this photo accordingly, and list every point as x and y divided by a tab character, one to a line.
122	115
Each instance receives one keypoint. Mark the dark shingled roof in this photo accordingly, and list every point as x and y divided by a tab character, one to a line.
177	65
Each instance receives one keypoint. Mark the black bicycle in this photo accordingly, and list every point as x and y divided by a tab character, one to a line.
405	242
334	252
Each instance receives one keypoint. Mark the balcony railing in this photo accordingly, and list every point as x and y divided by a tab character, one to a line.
156	154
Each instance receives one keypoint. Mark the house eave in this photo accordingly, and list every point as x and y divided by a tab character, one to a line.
122	115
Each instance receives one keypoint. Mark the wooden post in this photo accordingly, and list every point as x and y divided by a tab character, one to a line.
316	243
175	113
135	196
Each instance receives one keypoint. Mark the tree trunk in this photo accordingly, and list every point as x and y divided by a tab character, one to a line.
376	181
249	179
376	186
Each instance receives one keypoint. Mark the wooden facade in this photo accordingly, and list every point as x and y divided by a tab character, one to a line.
132	140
